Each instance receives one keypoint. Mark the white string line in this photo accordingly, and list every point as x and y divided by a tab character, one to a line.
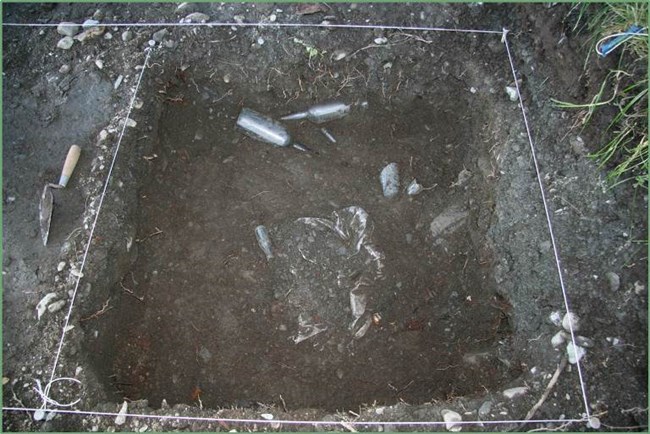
548	220
92	231
292	422
261	24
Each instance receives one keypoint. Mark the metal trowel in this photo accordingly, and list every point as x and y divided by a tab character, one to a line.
47	198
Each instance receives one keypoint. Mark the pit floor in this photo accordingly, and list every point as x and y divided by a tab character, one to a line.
214	325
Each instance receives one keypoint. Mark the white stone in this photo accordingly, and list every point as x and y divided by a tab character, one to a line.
108	36
197	17
90	23
260	41
65	43
514	392
67	29
389	178
131	123
339	54
127	35
414	188
571	321
558	339
451	417
118	82
56	306
272	18
61	266
121	416
575	353
42	305
267	416
99	63
556	318
380	41
594	422
512	93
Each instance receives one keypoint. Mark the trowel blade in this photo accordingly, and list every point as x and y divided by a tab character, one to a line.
45	212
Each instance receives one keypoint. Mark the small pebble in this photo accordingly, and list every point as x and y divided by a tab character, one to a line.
99	63
65	43
90	23
56	306
389	178
514	392
575	353
414	188
61	266
272	18
131	123
451	417
118	82
197	17
556	318
67	29
160	35
267	416
260	41
127	35
339	54
472	89
380	41
226	78
121	418
108	36
639	288
584	342
571	321
512	93
558	339
485	408
64	69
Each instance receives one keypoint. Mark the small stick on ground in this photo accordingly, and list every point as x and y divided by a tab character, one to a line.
153	234
105	308
284	404
130	291
551	383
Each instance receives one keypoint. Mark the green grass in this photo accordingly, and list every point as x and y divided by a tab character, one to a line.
625	154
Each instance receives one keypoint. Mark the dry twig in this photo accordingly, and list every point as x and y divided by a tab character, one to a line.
105	308
551	383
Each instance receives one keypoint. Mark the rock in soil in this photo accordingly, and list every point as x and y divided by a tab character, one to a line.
451	417
514	392
160	35
67	29
127	35
65	43
197	17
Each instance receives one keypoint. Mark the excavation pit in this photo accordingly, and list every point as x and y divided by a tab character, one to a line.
201	315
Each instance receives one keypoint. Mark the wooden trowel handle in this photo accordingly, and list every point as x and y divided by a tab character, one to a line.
69	165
